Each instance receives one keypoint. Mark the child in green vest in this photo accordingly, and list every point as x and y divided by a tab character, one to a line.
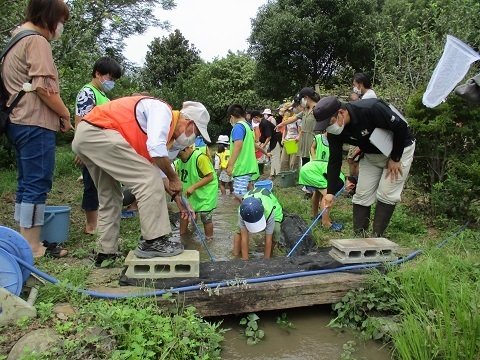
258	211
105	72
200	185
314	176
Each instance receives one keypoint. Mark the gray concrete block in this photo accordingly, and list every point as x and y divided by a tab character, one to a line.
363	250
187	264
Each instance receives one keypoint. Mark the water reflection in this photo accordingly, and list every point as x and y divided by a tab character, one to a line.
311	339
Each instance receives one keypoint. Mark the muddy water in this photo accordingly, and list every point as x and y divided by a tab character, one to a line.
311	338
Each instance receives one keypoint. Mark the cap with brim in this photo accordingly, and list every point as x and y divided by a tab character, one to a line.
252	213
223	139
197	112
324	110
267	112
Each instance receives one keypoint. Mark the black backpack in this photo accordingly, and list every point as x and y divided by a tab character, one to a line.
4	96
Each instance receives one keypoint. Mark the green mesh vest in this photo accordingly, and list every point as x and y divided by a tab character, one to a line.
269	202
246	163
100	97
205	197
322	152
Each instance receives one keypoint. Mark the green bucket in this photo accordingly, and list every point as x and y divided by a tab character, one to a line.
286	179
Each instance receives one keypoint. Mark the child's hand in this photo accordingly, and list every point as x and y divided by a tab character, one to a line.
190	191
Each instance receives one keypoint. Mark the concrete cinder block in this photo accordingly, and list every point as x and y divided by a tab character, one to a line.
187	264
363	250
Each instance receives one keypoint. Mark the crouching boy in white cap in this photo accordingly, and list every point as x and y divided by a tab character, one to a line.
259	210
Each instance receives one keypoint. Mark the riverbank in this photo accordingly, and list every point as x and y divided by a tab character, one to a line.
454	267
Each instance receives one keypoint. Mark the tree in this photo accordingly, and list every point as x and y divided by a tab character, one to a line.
167	58
299	43
217	85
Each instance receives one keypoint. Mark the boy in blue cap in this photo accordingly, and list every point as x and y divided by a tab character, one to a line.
259	210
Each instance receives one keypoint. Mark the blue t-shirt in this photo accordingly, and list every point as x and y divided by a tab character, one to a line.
239	132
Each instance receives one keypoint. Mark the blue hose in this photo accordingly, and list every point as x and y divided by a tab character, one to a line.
230	283
313	223
196	227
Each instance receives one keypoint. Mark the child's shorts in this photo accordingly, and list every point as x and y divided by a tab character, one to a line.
224	177
240	184
206	216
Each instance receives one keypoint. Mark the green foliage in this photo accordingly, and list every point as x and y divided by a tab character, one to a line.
434	304
300	43
252	332
167	58
283	322
348	350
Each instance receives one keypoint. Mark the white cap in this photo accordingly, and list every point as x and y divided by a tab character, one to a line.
223	139
267	111
192	110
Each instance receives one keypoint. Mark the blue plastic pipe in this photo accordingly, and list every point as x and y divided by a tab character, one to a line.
232	282
313	223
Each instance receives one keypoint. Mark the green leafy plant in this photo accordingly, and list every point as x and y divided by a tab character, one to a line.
283	322
348	350
252	332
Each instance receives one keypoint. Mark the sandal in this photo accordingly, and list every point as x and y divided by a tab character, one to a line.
54	250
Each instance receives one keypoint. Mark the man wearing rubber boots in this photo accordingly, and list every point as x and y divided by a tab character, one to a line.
388	146
127	140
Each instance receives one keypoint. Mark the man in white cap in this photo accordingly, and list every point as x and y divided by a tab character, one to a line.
127	140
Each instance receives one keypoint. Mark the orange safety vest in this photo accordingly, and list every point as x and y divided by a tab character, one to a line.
120	115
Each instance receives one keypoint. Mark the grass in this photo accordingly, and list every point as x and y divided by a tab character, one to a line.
435	298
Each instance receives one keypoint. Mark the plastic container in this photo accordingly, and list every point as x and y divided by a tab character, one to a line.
291	146
56	224
286	179
264	184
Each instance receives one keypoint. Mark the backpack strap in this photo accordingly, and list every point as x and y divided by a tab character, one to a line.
6	49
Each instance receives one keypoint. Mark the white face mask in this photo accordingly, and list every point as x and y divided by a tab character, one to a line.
303	102
357	91
336	129
184	140
58	31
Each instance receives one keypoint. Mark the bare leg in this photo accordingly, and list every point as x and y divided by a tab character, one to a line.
267	253
208	227
183	225
326	221
237	240
244	234
91	221
222	188
315	200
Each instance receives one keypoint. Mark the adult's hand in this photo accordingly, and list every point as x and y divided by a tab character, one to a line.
65	125
329	199
175	186
184	210
77	161
229	170
394	170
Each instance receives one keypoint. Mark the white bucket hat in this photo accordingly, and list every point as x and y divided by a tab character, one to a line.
192	110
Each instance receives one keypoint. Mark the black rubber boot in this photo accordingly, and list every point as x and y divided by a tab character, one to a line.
361	220
383	214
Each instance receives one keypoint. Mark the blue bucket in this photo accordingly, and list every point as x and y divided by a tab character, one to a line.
264	184
56	224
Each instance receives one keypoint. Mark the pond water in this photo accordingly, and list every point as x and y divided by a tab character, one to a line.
311	338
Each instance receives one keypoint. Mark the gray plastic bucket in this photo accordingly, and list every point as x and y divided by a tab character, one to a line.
56	224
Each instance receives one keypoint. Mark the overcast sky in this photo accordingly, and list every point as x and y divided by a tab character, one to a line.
213	26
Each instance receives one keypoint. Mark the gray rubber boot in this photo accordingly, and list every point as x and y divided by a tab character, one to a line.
383	214
361	220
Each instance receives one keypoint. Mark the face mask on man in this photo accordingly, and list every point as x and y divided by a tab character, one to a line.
185	140
58	31
108	85
357	91
336	129
303	102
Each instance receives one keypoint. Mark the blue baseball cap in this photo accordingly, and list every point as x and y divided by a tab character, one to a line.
252	213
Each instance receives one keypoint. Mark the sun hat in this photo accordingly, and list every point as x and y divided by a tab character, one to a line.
192	110
223	139
267	112
252	213
324	110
